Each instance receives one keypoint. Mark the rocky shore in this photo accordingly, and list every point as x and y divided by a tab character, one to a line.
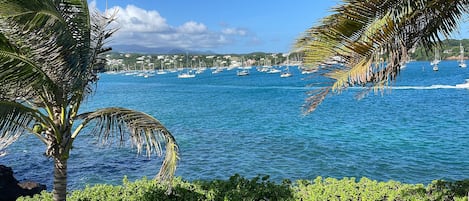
11	189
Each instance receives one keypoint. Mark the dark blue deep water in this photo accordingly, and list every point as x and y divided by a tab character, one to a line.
416	132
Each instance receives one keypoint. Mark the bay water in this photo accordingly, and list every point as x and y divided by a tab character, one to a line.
416	132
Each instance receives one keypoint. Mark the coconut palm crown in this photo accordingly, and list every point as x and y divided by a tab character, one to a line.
367	41
49	50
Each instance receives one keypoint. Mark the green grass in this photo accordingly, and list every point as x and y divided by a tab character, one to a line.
261	188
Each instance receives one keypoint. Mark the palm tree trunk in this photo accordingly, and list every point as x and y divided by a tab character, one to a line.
60	179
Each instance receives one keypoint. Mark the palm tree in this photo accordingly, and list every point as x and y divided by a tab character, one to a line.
369	40
49	50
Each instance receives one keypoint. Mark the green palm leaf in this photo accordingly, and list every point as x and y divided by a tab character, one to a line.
47	33
17	119
372	39
122	125
48	51
20	76
99	33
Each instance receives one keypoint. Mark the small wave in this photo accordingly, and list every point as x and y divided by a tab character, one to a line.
463	86
437	86
258	87
425	87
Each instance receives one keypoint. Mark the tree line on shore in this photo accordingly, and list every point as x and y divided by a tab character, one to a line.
449	50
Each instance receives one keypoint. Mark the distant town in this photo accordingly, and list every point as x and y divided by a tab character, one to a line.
172	62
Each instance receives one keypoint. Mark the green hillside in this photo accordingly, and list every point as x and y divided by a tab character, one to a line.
449	51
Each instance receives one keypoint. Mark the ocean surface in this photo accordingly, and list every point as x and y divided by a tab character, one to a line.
224	124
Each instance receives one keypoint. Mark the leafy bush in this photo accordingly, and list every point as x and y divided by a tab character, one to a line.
260	188
444	190
350	189
239	188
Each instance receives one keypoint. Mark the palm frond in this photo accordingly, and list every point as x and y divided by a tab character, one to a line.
99	33
316	97
16	120
372	38
37	27
76	14
20	77
142	130
7	140
55	35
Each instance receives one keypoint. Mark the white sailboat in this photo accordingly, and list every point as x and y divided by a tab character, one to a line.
461	61
287	72
217	70
273	70
243	70
436	61
435	67
188	73
161	71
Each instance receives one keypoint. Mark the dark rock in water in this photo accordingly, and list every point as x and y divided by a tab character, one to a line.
10	188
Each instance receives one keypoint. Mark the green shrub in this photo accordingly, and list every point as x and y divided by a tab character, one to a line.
239	188
445	190
260	188
140	190
350	189
44	196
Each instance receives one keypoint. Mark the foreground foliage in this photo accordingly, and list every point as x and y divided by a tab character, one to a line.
371	41
49	53
260	188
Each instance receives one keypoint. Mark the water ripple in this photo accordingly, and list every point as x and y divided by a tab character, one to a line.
253	125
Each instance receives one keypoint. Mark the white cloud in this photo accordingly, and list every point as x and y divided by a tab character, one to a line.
192	27
148	28
134	19
234	31
92	5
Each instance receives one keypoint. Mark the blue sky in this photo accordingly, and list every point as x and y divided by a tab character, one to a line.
241	26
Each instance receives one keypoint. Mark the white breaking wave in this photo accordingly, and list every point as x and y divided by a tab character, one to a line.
438	86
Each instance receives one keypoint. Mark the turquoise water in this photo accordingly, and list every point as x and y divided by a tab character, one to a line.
417	132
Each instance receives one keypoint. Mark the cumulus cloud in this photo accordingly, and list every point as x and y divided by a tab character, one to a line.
136	19
192	27
234	31
148	28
